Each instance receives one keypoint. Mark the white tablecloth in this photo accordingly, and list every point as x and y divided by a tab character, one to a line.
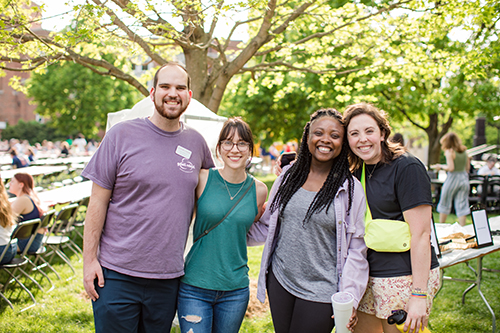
458	256
66	193
33	170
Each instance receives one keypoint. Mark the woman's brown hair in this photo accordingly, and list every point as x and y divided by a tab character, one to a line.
236	125
28	188
452	141
390	150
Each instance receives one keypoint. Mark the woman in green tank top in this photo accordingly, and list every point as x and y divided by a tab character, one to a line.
214	293
455	189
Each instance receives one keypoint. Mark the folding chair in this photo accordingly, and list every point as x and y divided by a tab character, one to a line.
57	240
47	222
79	222
26	229
492	190
67	227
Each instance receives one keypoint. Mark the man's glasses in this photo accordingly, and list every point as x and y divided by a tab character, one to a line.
241	145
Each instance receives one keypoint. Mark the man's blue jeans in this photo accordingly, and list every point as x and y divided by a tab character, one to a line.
206	311
132	304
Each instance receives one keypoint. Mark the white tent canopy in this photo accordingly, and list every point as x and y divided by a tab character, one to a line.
196	116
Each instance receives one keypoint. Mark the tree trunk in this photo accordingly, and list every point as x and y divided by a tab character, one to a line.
434	135
196	65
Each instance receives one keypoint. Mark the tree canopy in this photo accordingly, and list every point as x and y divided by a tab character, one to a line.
328	37
391	52
77	99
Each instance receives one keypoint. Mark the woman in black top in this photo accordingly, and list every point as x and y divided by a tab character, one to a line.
397	188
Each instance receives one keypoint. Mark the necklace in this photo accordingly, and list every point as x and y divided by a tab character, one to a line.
370	174
227	188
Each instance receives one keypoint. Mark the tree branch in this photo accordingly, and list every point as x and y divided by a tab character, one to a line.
402	110
111	70
146	22
330	32
132	35
272	67
22	69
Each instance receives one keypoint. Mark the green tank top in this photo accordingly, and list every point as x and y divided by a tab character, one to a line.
460	161
218	261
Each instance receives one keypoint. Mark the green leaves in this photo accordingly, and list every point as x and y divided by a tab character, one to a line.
422	61
77	99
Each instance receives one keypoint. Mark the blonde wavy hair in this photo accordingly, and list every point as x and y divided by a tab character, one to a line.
7	218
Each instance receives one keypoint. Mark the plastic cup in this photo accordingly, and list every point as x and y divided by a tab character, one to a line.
342	303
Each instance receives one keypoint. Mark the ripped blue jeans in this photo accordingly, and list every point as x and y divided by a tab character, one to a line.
211	311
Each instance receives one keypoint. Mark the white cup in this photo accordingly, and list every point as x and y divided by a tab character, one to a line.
342	303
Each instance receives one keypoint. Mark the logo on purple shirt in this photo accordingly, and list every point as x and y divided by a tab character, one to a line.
186	166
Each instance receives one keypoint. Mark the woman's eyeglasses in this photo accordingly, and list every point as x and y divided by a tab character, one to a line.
242	146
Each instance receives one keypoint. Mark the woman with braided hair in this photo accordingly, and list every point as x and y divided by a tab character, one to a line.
315	245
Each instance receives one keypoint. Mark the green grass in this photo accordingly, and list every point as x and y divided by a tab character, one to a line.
451	218
268	180
66	309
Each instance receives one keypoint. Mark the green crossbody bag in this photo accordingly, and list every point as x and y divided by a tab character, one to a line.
385	235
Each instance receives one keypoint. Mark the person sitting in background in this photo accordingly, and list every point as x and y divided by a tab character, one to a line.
398	138
91	146
80	143
27	207
489	169
7	226
18	161
31	154
64	149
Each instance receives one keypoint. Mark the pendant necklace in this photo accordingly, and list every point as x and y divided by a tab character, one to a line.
227	188
370	174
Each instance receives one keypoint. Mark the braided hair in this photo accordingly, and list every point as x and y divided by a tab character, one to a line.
297	175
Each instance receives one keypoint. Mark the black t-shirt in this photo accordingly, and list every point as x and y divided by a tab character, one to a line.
396	187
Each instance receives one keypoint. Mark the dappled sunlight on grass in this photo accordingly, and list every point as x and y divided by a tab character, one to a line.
68	309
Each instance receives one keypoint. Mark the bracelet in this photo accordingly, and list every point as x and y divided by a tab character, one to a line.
418	293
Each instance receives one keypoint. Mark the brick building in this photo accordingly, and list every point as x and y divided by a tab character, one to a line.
15	105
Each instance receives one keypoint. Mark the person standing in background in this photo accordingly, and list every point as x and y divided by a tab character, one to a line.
455	190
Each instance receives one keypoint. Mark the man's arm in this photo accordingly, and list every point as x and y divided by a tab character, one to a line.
94	223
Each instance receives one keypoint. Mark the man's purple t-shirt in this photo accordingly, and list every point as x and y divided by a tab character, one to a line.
153	175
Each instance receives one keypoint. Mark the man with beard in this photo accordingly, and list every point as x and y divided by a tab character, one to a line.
145	173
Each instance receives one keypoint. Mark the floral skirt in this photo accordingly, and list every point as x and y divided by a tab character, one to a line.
386	294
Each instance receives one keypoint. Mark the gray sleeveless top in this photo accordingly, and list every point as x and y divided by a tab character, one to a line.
305	260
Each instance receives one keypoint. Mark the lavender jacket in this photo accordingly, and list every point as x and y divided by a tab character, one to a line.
352	266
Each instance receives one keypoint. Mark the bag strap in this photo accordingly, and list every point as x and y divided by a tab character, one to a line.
229	212
368	215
